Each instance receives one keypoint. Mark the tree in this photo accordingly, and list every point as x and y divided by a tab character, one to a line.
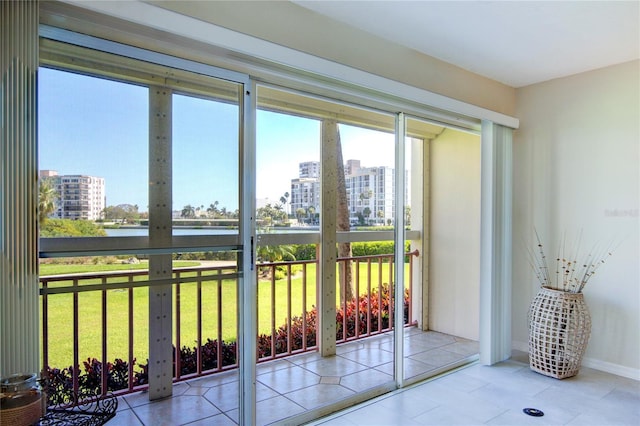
212	210
311	213
270	254
270	214
343	224
70	228
366	212
188	212
47	197
300	212
275	253
124	212
381	216
365	195
284	200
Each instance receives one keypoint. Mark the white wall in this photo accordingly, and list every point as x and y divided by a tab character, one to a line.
576	166
454	263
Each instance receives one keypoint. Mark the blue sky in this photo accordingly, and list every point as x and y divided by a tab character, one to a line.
99	127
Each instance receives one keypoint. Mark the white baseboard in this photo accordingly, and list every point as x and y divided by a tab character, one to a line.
609	367
596	364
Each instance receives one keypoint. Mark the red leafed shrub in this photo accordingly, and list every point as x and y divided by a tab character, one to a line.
59	382
377	316
373	310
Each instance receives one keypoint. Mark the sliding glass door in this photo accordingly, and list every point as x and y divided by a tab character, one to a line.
293	254
325	211
145	238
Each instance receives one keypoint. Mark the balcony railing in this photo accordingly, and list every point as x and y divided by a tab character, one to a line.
202	292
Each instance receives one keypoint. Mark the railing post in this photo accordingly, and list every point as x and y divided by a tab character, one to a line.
199	323
131	337
105	339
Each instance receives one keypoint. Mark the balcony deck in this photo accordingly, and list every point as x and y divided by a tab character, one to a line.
299	383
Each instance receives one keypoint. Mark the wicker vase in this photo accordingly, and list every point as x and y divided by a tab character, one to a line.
22	400
559	330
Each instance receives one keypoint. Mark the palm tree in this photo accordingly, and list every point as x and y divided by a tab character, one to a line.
343	224
300	213
269	254
275	253
366	195
188	211
366	212
212	210
47	197
284	199
310	212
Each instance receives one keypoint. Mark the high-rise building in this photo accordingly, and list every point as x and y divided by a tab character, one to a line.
309	169
305	190
370	191
79	196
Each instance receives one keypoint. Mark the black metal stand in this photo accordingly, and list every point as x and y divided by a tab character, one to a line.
70	408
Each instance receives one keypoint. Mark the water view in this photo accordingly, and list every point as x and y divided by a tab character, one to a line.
143	232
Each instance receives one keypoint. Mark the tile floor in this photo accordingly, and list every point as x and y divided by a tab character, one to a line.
480	395
298	384
471	395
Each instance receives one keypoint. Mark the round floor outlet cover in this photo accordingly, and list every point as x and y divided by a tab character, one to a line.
533	412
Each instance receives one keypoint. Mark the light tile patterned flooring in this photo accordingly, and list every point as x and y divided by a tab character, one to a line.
471	395
294	385
496	395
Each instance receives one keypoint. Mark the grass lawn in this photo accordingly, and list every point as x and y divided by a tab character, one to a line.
117	301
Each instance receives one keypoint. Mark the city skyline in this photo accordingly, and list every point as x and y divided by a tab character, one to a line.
98	127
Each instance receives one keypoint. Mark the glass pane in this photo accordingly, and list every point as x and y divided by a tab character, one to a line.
122	311
291	371
92	147
205	318
369	174
288	171
206	165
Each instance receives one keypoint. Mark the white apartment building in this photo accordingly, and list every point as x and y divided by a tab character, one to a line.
305	189
370	191
79	196
309	169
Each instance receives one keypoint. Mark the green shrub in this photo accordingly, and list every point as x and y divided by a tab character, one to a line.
70	228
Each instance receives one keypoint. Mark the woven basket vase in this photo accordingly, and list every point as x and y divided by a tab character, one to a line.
559	330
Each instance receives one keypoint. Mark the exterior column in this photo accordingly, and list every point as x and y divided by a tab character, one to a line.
19	331
160	235
327	260
495	242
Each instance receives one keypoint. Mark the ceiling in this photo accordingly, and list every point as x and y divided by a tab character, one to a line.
515	42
